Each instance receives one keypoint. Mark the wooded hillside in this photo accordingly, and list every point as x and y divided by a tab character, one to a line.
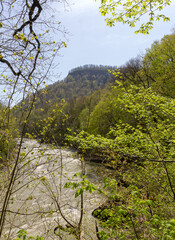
81	81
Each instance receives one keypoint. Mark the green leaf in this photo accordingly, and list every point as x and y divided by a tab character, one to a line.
78	192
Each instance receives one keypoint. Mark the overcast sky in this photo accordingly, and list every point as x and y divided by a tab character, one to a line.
92	42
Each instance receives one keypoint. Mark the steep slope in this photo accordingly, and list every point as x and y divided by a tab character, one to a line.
80	81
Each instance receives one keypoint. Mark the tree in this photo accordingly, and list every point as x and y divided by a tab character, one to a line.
129	72
130	12
27	52
140	206
158	66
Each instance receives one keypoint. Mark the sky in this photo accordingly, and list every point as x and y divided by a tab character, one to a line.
90	41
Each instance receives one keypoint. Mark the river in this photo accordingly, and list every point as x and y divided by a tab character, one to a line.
39	193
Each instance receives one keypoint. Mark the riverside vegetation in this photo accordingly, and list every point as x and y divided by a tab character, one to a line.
128	126
123	118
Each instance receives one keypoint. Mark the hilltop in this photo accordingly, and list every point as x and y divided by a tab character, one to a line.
80	81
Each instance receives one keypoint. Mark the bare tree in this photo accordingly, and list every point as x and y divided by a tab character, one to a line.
27	53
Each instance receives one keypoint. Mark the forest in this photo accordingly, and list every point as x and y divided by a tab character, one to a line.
121	118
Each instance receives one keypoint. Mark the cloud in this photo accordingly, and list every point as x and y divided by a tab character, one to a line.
82	6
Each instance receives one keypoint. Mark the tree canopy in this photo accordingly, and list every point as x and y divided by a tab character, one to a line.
159	65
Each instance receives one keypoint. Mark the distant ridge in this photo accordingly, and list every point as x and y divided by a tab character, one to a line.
91	66
80	81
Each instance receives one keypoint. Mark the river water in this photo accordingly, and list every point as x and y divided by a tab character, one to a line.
39	193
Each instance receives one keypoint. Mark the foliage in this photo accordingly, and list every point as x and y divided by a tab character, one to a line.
152	126
22	235
133	214
49	124
130	12
82	186
108	112
158	66
142	151
92	147
8	132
